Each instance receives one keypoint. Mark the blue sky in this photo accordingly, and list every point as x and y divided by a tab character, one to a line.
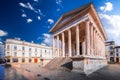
31	20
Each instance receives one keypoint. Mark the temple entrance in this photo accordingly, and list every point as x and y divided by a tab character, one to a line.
35	60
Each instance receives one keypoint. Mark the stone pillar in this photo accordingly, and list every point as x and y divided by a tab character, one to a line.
77	40
94	44
63	45
83	48
53	52
11	60
20	60
92	39
69	43
87	25
57	45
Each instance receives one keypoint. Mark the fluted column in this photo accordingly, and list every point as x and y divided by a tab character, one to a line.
53	52
77	40
87	37
63	45
94	43
58	46
91	39
69	43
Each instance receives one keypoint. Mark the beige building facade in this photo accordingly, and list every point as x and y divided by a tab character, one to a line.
17	51
79	35
110	51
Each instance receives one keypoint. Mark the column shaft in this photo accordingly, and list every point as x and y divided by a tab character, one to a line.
57	45
77	40
87	38
92	40
69	43
63	45
53	52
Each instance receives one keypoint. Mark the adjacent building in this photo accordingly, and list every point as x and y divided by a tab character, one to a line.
110	51
17	51
1	50
80	36
117	54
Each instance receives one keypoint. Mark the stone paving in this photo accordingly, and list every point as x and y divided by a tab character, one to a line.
110	72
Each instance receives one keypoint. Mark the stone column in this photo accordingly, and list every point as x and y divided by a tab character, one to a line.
87	25
69	43
53	52
63	45
92	39
94	42
77	40
57	45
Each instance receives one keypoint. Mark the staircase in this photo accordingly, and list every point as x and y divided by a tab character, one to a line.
60	64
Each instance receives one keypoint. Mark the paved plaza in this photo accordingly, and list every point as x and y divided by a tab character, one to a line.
110	72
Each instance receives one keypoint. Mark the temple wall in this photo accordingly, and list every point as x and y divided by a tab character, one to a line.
91	65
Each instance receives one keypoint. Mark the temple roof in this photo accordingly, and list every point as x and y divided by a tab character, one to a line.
77	13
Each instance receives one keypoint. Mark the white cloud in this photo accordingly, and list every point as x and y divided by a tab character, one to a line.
107	7
29	20
24	15
3	33
59	5
58	9
47	39
58	2
35	0
51	21
1	42
112	26
28	6
38	17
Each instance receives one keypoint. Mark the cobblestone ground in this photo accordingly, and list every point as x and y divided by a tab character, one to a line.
111	72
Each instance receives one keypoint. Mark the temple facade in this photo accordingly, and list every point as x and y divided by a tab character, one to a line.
17	51
80	35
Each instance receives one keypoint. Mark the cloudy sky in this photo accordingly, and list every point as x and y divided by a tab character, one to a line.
31	20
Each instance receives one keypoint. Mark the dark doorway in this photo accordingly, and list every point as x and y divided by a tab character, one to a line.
111	59
80	48
117	60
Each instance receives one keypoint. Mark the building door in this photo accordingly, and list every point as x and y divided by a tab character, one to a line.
117	60
80	48
35	60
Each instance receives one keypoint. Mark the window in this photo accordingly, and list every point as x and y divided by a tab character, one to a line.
29	54
23	54
36	50
111	54
117	50
23	48
15	47
8	47
29	49
111	48
117	54
35	55
15	54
